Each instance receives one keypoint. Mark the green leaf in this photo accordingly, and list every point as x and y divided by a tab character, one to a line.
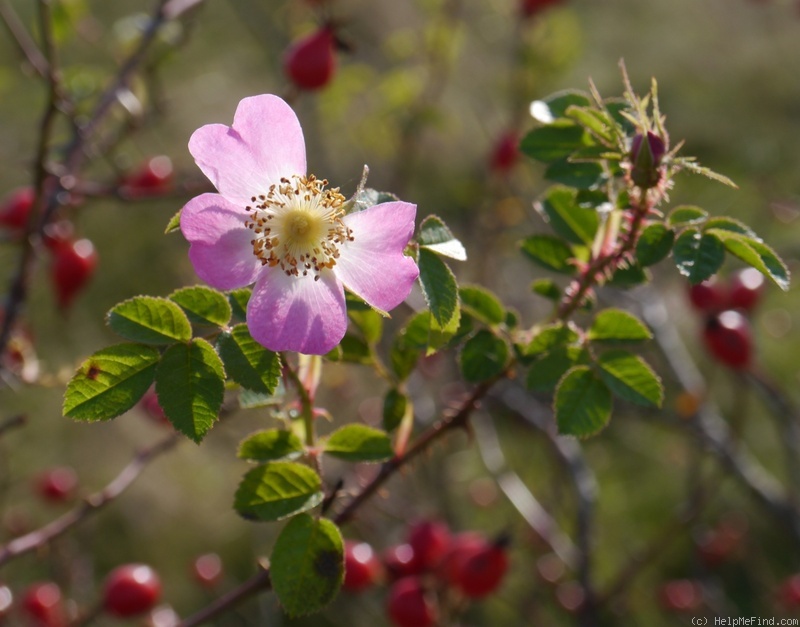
395	404
190	383
150	320
617	326
708	173
247	362
555	106
756	254
359	443
549	252
684	215
578	174
654	244
270	445
554	141
628	275
403	359
630	378
546	288
698	256
595	121
110	382
582	403
174	223
484	356
307	564
732	225
238	300
277	490
551	336
482	304
203	305
435	236
567	218
545	373
441	335
438	286
351	349
369	322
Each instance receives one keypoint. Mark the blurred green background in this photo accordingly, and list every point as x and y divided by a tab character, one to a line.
421	96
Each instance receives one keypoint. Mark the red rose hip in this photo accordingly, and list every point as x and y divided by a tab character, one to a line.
745	289
708	296
43	603
16	207
57	484
481	569
728	338
430	540
131	589
409	605
361	566
74	264
310	62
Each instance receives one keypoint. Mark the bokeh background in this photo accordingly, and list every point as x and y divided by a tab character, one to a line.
422	95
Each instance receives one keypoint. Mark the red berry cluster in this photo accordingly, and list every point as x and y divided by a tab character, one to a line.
727	333
431	563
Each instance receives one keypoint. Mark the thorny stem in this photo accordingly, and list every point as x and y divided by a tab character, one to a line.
604	263
91	504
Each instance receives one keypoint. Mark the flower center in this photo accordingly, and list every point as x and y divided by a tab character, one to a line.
298	226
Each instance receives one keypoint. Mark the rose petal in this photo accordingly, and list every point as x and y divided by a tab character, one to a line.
264	144
220	251
373	265
297	313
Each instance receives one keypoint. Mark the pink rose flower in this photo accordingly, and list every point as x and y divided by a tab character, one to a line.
276	226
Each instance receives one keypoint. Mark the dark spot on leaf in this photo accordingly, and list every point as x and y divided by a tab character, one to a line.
92	371
329	564
249	516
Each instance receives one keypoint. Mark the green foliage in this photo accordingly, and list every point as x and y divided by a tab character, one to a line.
548	369
190	382
359	443
277	490
238	300
270	445
629	377
482	304
554	141
307	564
551	336
549	252
150	320
110	382
546	288
698	256
203	305
439	287
247	362
616	325
568	219
577	174
582	403
434	235
686	215
654	244
395	406
483	356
